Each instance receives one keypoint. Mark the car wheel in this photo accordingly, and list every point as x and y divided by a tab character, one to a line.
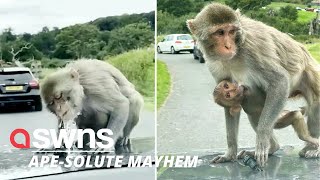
201	59
159	50
38	105
173	51
191	51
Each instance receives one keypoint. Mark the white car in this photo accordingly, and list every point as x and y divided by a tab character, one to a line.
175	43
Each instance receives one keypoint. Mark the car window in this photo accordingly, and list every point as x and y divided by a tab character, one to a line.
15	76
184	37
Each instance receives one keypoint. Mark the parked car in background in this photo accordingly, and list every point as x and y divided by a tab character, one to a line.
174	43
309	9
18	86
197	54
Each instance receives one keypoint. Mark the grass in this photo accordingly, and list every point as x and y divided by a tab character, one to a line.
314	50
138	67
163	83
278	5
303	16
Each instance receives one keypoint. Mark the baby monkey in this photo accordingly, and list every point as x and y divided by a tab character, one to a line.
234	96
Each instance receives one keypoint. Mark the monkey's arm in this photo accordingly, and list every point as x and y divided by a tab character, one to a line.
232	126
275	82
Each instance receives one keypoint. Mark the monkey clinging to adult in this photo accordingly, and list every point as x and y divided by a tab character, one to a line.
238	48
96	95
234	96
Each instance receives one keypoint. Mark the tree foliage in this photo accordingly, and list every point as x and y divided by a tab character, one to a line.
246	5
95	39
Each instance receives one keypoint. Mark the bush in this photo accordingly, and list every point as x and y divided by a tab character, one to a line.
138	67
53	63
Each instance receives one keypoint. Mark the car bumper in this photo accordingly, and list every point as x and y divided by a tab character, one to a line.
183	47
19	99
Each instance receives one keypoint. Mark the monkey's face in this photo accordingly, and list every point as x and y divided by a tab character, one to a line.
63	94
222	41
228	94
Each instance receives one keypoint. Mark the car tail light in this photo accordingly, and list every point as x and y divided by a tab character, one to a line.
178	42
34	84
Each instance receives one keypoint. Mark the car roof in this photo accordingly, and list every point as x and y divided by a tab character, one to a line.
14	69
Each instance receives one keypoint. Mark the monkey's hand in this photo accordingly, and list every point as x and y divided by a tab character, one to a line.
262	149
228	157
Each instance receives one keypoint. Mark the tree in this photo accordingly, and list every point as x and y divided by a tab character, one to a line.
132	36
45	41
246	5
78	41
175	7
288	12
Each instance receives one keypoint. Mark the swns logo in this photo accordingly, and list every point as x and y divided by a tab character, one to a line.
47	138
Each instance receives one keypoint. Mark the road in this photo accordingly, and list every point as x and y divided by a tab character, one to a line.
30	121
191	121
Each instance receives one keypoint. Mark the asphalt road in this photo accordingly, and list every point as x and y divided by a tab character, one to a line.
190	121
29	120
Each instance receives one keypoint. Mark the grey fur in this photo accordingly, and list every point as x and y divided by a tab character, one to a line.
100	92
266	59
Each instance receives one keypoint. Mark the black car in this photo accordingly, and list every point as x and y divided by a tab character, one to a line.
18	86
197	54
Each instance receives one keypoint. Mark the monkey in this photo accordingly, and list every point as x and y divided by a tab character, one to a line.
235	96
263	58
96	95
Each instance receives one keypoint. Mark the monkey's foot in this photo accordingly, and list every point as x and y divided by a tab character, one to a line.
314	142
224	158
123	141
244	153
262	151
309	151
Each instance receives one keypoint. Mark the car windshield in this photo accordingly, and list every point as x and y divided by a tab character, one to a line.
15	76
184	37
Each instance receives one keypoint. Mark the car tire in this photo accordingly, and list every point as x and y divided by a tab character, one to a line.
201	59
173	51
159	50
38	105
191	51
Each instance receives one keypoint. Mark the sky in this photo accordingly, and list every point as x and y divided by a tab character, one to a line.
31	15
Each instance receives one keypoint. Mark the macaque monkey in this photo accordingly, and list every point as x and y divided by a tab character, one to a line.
96	95
234	96
266	60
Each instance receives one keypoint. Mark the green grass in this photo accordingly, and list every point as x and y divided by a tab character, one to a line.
314	50
163	83
305	16
278	5
138	67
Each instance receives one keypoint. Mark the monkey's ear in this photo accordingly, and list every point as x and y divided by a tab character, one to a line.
234	110
74	74
190	24
238	13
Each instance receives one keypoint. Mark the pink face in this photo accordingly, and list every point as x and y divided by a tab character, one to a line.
224	40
